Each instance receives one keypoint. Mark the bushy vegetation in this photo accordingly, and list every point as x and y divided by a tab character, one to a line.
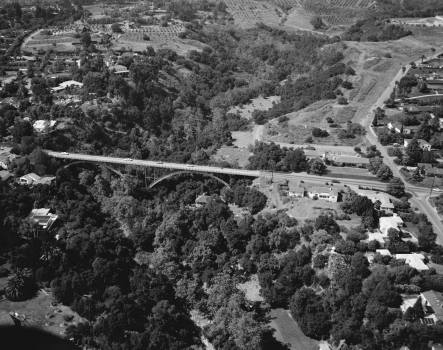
375	29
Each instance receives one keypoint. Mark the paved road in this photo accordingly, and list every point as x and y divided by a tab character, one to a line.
419	198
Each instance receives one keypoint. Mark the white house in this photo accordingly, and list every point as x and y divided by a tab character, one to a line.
42	217
387	222
384	252
4	161
424	145
326	193
414	260
295	191
34	179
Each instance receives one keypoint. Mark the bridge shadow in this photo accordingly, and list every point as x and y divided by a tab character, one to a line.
28	338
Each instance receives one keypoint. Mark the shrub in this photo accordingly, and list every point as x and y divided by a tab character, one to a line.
342	100
317	132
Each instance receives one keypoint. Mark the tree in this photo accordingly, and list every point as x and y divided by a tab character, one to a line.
422	58
396	187
414	151
342	100
422	86
349	71
416	176
385	172
115	27
433	51
19	285
403	69
316	166
317	22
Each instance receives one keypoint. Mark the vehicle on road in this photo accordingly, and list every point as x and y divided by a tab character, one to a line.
128	159
436	190
159	162
65	153
190	166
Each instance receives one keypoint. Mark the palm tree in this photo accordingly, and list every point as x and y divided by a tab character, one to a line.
15	288
433	51
422	58
19	285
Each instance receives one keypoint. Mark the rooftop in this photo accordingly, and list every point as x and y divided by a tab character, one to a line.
385	252
42	217
350	160
435	300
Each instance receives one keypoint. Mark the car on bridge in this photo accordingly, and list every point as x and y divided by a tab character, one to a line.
128	159
190	166
64	153
159	162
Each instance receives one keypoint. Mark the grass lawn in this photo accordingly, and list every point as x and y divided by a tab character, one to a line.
288	332
426	182
35	310
438	268
350	171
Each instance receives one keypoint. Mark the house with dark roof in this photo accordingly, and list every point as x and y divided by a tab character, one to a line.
433	305
5	176
202	200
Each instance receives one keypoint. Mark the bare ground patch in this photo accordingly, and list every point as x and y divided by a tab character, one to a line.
235	156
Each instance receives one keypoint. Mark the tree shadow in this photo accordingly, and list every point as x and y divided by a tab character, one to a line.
270	342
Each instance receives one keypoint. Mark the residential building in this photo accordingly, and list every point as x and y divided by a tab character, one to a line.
4	161
34	179
396	126
326	193
411	109
202	200
382	202
433	304
411	129
387	222
295	191
424	145
349	161
414	260
5	176
437	172
378	236
43	217
384	252
119	69
43	125
310	154
435	84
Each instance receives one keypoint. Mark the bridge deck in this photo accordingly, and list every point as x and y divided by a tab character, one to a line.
154	164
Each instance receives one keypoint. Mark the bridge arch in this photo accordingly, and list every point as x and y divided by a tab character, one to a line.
95	163
187	172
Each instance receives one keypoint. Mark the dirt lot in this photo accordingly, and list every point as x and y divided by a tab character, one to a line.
261	103
234	156
350	171
252	289
288	332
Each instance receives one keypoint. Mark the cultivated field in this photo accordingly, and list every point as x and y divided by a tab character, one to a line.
247	13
